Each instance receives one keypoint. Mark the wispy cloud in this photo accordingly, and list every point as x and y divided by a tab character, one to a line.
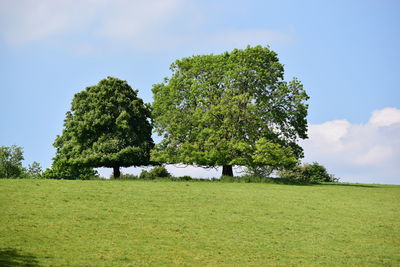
360	153
25	21
129	19
125	24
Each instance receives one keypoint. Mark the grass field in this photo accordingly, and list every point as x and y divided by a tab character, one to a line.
157	223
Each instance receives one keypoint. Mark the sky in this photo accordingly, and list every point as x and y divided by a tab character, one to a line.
346	53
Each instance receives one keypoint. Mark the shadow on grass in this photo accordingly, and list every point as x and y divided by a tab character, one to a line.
12	257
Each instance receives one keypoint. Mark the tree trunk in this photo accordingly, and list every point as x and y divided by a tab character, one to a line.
116	173
227	170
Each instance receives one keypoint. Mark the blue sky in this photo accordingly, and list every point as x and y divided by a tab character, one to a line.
345	53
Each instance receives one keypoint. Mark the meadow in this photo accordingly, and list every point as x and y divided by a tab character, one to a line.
165	223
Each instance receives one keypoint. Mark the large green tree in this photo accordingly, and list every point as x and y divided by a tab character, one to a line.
230	109
107	126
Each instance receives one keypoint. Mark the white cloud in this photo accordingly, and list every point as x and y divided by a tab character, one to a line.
25	21
330	134
375	155
359	153
385	117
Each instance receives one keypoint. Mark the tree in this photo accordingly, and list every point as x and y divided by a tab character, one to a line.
11	161
230	109
35	170
107	126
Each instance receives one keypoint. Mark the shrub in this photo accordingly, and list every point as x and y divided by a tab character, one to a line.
11	162
308	173
247	179
35	170
185	178
156	172
128	177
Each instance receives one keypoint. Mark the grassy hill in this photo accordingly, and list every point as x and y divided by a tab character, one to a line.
123	223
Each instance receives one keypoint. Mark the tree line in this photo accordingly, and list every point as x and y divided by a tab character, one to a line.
233	108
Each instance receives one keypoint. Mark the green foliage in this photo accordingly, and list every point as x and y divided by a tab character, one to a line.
269	157
35	170
308	173
156	172
127	176
69	172
187	178
11	162
147	223
258	171
230	109
107	126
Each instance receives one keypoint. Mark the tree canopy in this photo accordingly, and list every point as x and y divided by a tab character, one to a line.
230	109
107	126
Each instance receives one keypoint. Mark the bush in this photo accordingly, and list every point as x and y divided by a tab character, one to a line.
185	178
156	172
308	173
35	170
128	177
247	179
11	162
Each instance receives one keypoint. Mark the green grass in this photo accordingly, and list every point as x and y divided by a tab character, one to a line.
123	223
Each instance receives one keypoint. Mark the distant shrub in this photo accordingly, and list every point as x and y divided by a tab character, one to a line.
128	177
34	170
308	173
247	179
11	162
156	172
185	178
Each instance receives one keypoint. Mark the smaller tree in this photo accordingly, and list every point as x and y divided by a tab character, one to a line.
108	126
35	170
11	161
156	172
